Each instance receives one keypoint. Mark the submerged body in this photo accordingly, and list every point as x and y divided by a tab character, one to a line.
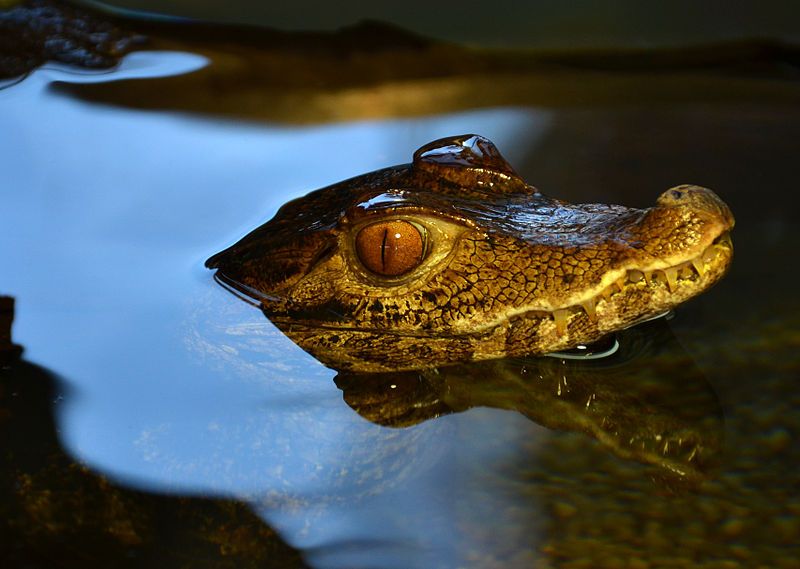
455	258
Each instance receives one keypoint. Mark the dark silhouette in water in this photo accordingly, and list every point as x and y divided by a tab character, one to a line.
9	351
55	512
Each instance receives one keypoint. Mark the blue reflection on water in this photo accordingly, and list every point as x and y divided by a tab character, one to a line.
178	386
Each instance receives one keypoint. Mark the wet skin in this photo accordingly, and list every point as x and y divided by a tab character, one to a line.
37	31
455	258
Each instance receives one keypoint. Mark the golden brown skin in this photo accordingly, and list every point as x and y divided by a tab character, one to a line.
505	271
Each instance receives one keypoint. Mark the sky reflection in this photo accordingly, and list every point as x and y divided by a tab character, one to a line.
178	386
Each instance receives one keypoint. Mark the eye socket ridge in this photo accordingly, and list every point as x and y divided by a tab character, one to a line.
391	247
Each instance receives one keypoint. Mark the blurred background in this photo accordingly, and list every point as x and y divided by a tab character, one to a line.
509	23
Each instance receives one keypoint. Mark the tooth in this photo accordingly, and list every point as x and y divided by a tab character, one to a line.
648	277
621	283
635	276
560	317
671	276
588	306
698	266
709	254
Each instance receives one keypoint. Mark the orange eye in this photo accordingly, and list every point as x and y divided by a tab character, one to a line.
390	248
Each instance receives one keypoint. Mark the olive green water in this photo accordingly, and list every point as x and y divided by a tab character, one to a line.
178	402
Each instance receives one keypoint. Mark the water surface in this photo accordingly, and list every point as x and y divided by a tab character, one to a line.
173	386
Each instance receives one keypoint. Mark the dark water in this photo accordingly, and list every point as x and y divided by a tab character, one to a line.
172	388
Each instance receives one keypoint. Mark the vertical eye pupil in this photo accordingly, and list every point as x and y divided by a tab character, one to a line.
390	248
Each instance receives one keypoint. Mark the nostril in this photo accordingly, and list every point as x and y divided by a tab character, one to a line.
696	199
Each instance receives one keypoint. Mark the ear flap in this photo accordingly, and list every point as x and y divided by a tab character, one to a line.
471	161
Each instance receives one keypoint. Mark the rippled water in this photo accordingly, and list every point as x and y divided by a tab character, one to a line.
172	386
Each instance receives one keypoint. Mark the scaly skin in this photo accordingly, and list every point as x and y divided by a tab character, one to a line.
36	31
507	271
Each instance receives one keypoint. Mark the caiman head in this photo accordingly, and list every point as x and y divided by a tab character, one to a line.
455	258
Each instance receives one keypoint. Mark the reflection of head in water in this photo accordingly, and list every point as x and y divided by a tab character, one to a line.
647	402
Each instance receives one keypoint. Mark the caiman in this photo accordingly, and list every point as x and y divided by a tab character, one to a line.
455	258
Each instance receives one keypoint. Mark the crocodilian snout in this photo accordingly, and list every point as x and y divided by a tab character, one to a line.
701	200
